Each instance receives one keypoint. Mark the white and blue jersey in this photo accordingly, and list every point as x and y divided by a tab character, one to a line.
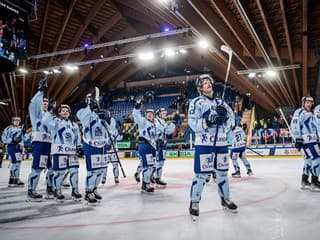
147	141
95	138
210	153
41	135
14	148
65	139
162	131
237	138
316	113
303	126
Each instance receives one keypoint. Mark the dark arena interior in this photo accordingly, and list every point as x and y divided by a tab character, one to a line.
126	83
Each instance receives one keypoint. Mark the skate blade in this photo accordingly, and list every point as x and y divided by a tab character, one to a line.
91	204
59	200
194	218
236	176
305	188
314	190
33	200
230	210
143	191
76	199
49	197
161	186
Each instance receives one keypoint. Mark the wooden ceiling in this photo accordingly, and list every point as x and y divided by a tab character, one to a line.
261	33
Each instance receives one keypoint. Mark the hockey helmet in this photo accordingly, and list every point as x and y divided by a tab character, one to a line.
64	106
160	111
45	100
306	98
15	119
201	78
149	110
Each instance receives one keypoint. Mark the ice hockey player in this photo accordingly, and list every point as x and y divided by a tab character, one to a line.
210	118
304	131
14	136
238	150
41	143
146	143
65	139
95	141
163	129
111	153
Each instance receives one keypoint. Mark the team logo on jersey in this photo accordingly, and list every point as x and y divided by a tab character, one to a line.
206	162
98	132
68	137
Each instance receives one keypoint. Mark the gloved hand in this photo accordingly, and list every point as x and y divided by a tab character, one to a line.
43	86
211	119
222	115
16	140
160	143
139	102
52	104
23	129
92	102
299	143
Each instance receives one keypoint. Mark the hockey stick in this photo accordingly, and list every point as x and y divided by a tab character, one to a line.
227	50
97	98
255	151
285	120
114	149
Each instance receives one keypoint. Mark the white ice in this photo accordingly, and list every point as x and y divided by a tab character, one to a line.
271	206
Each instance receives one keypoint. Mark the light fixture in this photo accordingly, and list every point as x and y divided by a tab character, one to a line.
182	50
271	73
23	70
169	52
146	56
203	44
252	75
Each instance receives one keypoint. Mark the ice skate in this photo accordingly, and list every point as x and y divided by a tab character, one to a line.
33	196
50	192
249	172
228	205
90	199
59	197
315	184
97	196
236	174
137	177
194	210
305	184
147	188
76	196
18	183
116	180
11	183
103	181
160	183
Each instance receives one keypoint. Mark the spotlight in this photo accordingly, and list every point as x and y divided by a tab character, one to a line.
23	70
169	52
203	44
251	75
166	29
46	72
55	70
146	56
271	73
182	50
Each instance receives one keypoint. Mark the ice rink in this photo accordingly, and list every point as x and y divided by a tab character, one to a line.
271	206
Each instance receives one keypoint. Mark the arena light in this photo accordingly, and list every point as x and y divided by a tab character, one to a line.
146	56
56	70
271	73
252	75
23	70
71	68
203	44
46	72
183	51
169	52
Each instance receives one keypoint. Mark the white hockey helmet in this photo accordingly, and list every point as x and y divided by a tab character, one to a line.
201	78
15	119
64	106
306	98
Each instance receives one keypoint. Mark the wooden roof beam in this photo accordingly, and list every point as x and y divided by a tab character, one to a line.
288	41
275	46
305	87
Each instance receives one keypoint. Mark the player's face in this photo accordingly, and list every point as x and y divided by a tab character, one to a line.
308	105
44	106
150	116
207	88
16	122
64	113
163	115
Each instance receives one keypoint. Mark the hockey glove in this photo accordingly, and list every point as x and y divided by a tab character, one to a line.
222	115
160	143
16	140
139	102
52	104
211	119
43	86
299	143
